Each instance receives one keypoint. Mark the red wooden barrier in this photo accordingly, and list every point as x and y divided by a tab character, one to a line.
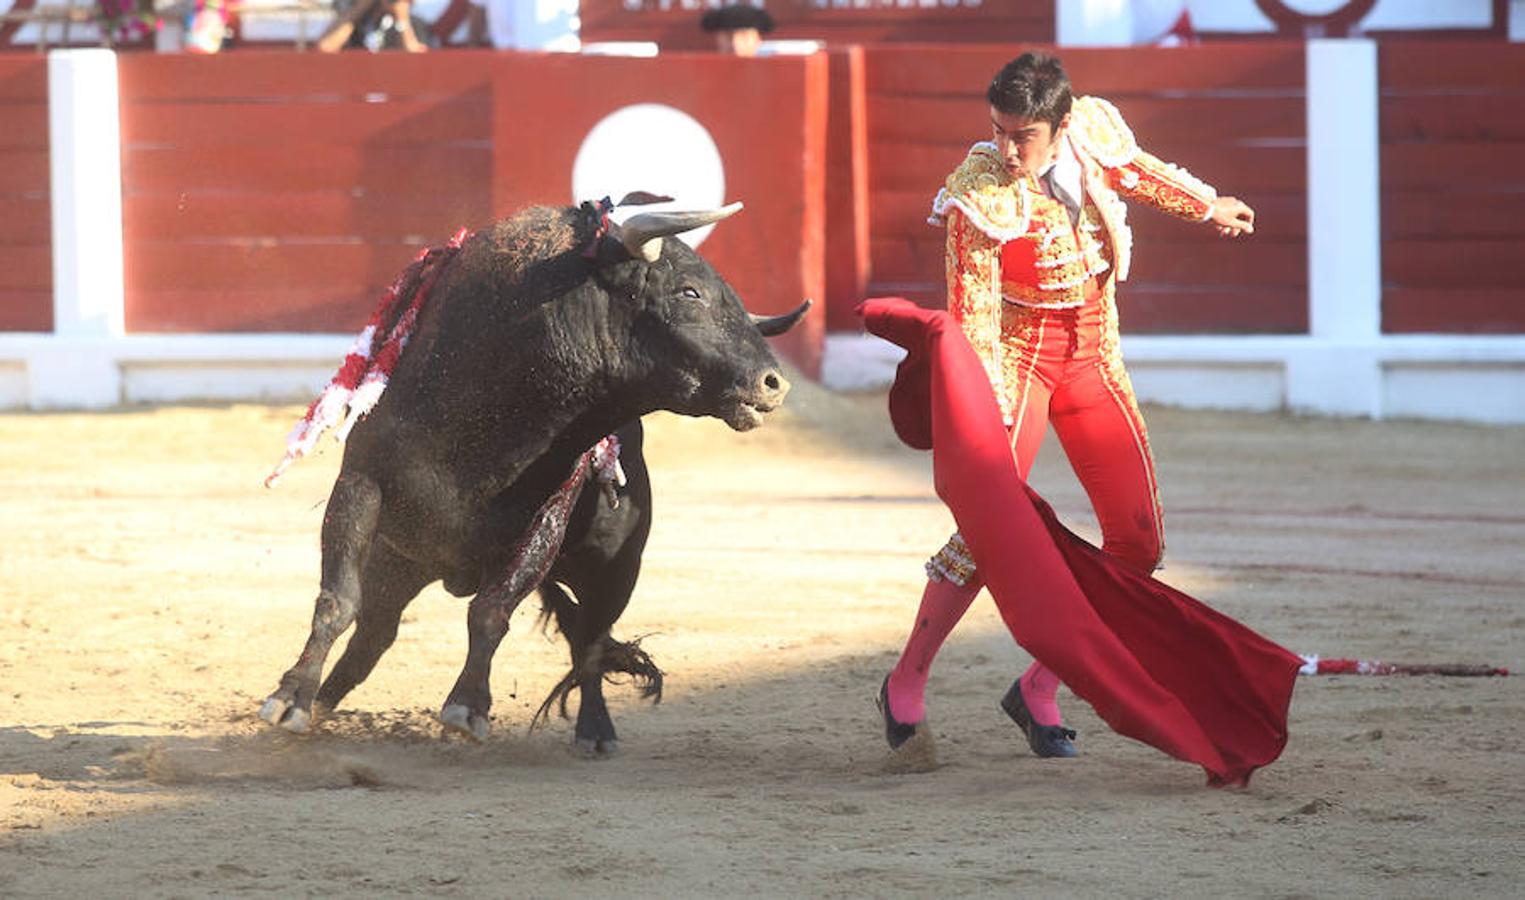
1232	114
1453	187
848	209
26	240
283	192
272	191
268	191
768	120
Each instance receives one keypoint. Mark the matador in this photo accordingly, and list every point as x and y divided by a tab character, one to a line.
1037	242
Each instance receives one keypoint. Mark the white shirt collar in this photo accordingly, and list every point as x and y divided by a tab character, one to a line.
1067	170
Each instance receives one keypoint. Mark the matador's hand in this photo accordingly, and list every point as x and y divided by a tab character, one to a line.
1232	217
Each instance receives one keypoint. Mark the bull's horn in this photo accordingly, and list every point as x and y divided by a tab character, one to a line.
772	326
642	234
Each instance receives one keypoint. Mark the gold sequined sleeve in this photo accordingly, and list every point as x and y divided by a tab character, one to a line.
1167	188
1098	127
974	298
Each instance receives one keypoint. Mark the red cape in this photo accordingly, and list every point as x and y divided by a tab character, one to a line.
1157	665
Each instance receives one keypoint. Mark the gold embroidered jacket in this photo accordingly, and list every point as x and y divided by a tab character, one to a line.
1009	241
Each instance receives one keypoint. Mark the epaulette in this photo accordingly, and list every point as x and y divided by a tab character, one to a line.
987	196
1099	129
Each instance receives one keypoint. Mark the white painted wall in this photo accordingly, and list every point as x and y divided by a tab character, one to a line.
85	184
1340	373
1444	377
86	188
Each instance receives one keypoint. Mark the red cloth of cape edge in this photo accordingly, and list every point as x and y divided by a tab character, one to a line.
1157	665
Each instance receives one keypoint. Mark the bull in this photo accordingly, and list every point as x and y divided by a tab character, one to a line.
543	334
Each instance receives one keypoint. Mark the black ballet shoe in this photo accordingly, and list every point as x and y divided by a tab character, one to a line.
896	733
1048	741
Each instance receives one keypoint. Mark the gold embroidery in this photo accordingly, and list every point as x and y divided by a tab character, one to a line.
982	190
1166	187
1051	267
1099	129
1021	341
972	296
952	563
1064	258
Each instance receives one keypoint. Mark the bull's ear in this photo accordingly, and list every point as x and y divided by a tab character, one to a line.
773	326
643	198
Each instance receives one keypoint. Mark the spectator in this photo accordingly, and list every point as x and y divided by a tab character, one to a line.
373	25
491	24
207	26
738	29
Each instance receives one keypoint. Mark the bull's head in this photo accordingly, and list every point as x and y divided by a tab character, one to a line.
701	351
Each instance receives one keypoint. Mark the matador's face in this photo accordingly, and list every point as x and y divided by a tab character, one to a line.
1027	145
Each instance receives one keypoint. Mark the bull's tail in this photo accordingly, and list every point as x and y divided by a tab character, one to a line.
608	658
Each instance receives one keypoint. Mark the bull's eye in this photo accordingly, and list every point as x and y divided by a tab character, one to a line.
692	293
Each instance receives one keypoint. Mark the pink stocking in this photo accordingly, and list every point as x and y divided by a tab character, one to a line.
1040	691
943	603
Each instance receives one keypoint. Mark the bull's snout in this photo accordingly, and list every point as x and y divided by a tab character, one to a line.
751	402
771	389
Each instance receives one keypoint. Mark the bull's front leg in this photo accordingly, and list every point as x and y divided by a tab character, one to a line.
348	528
466	709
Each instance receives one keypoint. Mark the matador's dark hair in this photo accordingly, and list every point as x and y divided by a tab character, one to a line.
1033	86
736	17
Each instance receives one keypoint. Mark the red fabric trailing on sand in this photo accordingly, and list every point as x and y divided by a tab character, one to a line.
1157	665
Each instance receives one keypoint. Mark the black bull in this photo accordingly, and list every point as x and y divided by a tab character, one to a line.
546	332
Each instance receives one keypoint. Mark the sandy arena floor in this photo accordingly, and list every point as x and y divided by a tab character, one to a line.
154	592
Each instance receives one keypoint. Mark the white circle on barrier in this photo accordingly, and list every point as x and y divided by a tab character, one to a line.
655	148
1315	7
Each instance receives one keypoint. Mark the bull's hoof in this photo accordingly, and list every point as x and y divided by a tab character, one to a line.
594	748
462	721
297	721
282	713
273	710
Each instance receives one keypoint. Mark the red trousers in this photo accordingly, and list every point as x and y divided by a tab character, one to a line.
1157	665
1065	367
1062	367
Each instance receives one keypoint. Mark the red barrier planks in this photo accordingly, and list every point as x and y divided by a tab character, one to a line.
280	121
1249	69
1453	189
295	217
1428	215
1169	309
252	75
26	240
1417	310
264	189
1463	264
1424	66
304	309
848	210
